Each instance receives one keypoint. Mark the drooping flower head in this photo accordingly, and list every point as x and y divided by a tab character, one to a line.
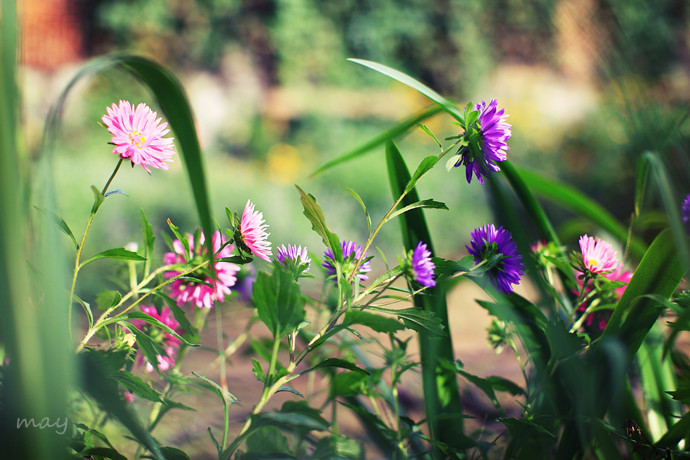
600	318
422	266
169	342
294	257
252	235
139	135
486	142
597	255
488	243
351	253
199	287
685	213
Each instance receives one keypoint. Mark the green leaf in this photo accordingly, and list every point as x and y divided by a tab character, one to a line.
98	382
338	446
62	225
136	385
149	319
414	84
361	203
571	198
104	452
107	299
278	301
149	239
97	200
428	204
268	442
337	362
377	323
173	453
423	168
225	396
117	253
417	319
392	133
429	133
315	215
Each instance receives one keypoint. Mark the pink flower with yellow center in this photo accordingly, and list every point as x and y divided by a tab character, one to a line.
253	233
199	287
139	135
597	255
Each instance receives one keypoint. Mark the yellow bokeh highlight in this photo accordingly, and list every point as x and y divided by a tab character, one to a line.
283	163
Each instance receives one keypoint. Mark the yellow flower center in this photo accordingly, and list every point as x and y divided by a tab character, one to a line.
593	262
137	139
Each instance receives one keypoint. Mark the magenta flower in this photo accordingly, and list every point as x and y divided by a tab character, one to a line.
253	234
486	142
199	287
138	135
488	243
169	342
685	213
351	253
600	318
597	255
422	266
295	256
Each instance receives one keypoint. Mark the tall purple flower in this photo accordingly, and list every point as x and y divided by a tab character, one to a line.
351	253
422	266
489	242
486	142
685	212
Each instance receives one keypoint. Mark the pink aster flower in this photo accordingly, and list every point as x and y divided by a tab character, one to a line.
139	135
253	232
169	342
199	287
597	255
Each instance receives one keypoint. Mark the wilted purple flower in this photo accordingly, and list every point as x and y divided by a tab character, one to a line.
293	255
488	242
422	266
487	143
351	253
685	212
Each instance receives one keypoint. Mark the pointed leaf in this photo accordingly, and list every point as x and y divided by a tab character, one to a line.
117	253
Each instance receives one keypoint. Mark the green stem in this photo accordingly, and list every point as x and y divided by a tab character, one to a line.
80	249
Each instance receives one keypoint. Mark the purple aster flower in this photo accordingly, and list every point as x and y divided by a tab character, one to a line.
351	253
422	266
293	255
685	213
486	142
488	242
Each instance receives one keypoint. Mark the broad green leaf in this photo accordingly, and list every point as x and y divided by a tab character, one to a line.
278	301
337	362
98	382
338	446
268	442
117	253
414	84
315	215
377	323
573	199
441	394
136	385
297	415
107	299
140	315
417	319
173	453
103	452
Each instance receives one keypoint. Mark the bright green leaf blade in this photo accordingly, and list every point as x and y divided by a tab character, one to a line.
337	362
278	301
315	215
117	253
390	134
414	84
427	204
423	168
62	225
569	197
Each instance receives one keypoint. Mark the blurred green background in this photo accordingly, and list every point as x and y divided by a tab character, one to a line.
589	86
